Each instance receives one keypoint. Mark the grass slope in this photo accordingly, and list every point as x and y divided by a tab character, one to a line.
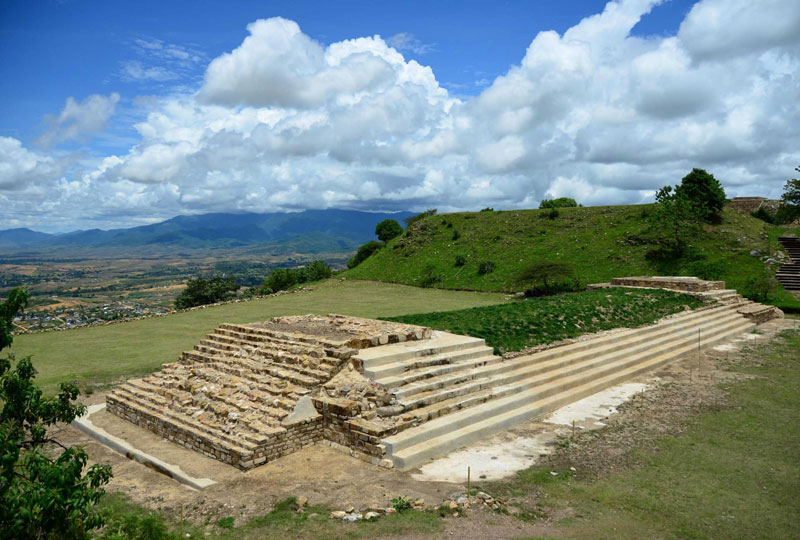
733	474
598	242
106	353
517	325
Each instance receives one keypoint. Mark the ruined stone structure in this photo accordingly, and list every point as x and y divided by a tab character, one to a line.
394	394
233	396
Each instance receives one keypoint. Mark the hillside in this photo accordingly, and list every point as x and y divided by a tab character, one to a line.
597	242
309	231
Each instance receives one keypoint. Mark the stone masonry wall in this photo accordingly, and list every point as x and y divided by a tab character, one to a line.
291	438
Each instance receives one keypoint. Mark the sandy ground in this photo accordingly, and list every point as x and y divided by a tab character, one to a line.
330	477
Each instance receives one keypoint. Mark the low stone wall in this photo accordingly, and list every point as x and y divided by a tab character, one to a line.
290	438
685	284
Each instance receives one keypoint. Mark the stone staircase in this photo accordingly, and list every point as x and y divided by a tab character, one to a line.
451	390
232	396
789	274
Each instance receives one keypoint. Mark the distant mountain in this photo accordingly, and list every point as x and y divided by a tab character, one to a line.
309	231
14	238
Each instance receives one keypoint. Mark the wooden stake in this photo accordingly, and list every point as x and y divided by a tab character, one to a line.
573	428
469	497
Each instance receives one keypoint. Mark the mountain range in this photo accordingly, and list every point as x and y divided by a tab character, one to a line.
309	231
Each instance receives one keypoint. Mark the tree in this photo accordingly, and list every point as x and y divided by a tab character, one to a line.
674	221
561	202
364	252
703	193
199	292
42	496
388	229
791	191
17	301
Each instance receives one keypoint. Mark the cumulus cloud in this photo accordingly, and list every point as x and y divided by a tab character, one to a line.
285	122
79	120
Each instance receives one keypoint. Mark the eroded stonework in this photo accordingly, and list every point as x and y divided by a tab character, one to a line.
232	397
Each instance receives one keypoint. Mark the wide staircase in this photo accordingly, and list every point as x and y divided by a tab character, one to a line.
452	390
789	274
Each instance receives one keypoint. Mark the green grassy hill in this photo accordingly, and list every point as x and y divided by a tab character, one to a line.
597	242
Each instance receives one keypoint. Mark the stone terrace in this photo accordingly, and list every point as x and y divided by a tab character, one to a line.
234	397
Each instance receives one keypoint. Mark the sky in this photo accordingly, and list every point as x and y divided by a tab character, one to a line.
116	114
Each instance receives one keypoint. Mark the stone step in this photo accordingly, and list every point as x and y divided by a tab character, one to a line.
279	371
227	342
523	374
396	369
519	381
440	342
569	353
413	446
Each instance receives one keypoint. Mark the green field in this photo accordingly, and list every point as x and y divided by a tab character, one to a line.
101	354
516	325
597	242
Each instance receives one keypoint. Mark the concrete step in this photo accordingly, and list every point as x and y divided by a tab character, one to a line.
527	379
397	369
557	357
413	446
440	343
527	374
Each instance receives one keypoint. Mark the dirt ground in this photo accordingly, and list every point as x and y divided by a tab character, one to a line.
331	477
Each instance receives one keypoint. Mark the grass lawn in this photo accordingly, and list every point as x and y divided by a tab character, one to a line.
101	354
735	473
516	325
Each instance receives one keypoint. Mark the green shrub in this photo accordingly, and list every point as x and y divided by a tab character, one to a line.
200	292
429	277
401	503
461	260
315	271
763	215
456	235
485	267
487	209
364	252
561	202
713	270
226	522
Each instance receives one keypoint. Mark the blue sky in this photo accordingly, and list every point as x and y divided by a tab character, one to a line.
116	107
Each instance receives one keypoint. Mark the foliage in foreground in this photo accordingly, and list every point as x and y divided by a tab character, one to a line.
535	321
43	493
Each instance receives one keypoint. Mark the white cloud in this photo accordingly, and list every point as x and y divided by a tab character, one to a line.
79	120
20	168
134	70
284	122
405	41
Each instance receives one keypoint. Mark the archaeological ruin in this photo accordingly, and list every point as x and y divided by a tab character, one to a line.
394	394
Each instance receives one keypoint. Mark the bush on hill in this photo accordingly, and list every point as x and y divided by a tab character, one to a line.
763	215
200	292
561	202
363	253
422	215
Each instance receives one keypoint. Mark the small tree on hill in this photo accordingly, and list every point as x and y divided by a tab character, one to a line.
388	229
673	222
703	193
790	209
364	252
43	493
